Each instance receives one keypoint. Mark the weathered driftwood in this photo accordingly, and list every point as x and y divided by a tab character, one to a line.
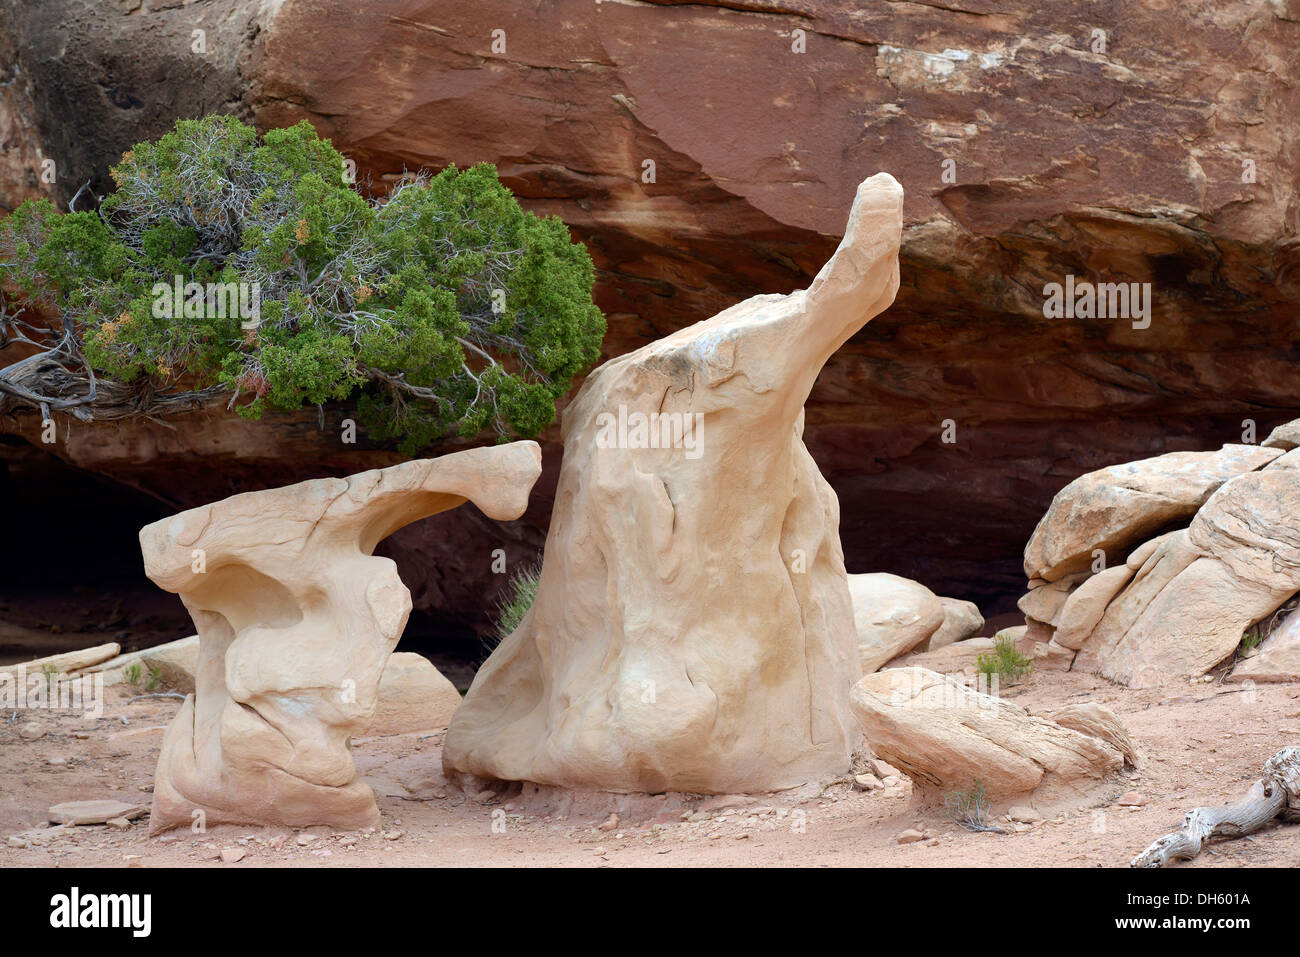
1276	793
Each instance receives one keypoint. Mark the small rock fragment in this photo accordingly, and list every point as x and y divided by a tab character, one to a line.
1024	815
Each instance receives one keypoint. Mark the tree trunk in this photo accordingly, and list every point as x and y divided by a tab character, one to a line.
1276	793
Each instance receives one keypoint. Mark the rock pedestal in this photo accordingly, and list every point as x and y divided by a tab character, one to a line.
693	629
296	619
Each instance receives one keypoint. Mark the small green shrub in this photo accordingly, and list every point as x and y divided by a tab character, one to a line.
133	674
970	808
1005	661
522	591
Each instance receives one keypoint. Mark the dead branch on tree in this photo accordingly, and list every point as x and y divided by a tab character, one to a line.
58	378
1276	793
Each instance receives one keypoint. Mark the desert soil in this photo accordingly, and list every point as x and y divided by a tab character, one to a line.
1200	743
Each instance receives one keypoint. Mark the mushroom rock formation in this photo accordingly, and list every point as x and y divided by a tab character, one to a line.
693	628
945	736
296	619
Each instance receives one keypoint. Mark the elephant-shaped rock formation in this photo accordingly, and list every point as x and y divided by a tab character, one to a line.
296	619
693	629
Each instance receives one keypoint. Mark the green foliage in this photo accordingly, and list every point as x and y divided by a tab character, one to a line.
970	808
1006	661
1250	640
521	591
133	674
446	305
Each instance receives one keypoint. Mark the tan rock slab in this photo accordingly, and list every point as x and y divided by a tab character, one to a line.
1087	603
67	662
413	696
1113	508
93	812
961	620
945	736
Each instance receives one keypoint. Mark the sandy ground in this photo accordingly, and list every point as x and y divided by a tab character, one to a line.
1200	743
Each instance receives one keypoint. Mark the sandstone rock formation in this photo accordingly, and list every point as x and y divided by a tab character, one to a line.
945	736
1114	508
413	696
1119	165
693	629
1178	605
961	620
296	619
892	615
895	615
1277	658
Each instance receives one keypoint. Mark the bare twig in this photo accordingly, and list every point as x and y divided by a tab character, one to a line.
1276	793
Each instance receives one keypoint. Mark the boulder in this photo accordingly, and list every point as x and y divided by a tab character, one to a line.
1113	508
1186	607
892	615
1286	436
1097	720
693	628
946	736
1044	603
413	696
1087	603
1277	657
1172	555
296	620
961	620
1137	558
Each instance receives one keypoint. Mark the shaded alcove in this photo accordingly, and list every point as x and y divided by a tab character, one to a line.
71	573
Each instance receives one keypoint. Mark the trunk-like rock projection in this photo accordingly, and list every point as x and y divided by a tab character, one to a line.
693	629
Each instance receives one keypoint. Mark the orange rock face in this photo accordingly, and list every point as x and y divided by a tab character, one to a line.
1148	143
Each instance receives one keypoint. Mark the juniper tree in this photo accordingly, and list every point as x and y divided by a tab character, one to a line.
446	306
